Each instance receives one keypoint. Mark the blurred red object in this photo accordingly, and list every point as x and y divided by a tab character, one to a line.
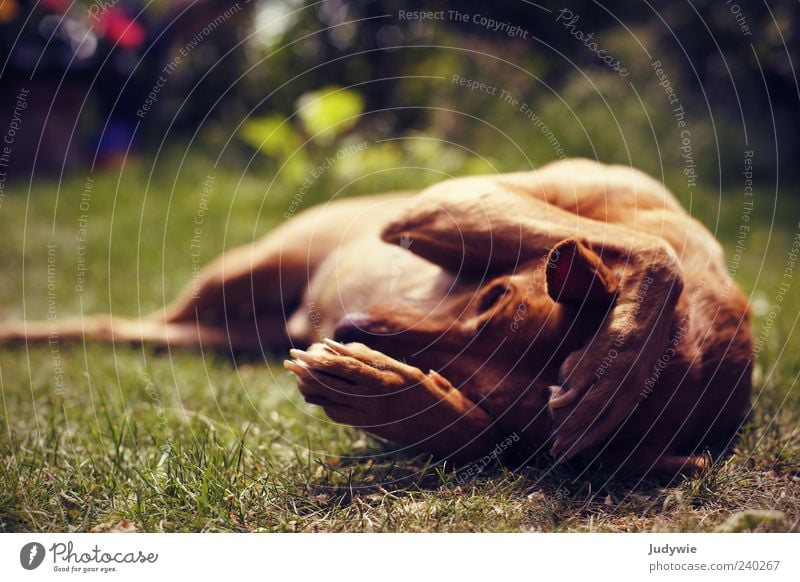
120	29
60	6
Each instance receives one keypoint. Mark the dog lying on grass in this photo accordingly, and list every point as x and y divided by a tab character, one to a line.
577	307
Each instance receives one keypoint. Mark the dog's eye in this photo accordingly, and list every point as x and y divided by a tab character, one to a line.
492	297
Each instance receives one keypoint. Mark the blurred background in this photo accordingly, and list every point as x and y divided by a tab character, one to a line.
284	103
245	68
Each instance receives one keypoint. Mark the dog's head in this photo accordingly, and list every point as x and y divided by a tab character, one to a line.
499	337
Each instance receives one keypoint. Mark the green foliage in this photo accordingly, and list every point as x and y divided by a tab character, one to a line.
277	138
272	135
292	143
329	112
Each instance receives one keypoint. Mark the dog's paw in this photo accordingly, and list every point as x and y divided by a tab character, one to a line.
600	386
360	386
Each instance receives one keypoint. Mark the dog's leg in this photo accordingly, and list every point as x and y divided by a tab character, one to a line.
110	329
268	277
244	282
236	305
235	309
366	388
242	299
265	280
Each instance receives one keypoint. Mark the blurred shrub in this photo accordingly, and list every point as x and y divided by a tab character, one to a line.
302	78
329	112
731	81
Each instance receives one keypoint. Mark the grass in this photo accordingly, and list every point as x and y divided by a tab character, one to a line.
131	438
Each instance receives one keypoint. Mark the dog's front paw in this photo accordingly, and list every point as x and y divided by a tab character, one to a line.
362	387
600	386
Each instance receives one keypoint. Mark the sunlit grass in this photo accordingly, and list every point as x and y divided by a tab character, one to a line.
134	438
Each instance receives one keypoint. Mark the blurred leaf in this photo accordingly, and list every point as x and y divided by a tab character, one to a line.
272	135
329	112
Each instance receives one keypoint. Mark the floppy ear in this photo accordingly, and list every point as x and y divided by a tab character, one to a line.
577	275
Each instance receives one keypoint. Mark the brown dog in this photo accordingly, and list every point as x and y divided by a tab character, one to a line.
577	307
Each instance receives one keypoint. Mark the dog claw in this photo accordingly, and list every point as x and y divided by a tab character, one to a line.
440	380
560	398
302	357
337	347
556	451
295	368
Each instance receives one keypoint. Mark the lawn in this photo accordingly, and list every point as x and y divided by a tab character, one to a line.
98	438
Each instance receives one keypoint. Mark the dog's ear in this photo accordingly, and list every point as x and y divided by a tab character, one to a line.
576	275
